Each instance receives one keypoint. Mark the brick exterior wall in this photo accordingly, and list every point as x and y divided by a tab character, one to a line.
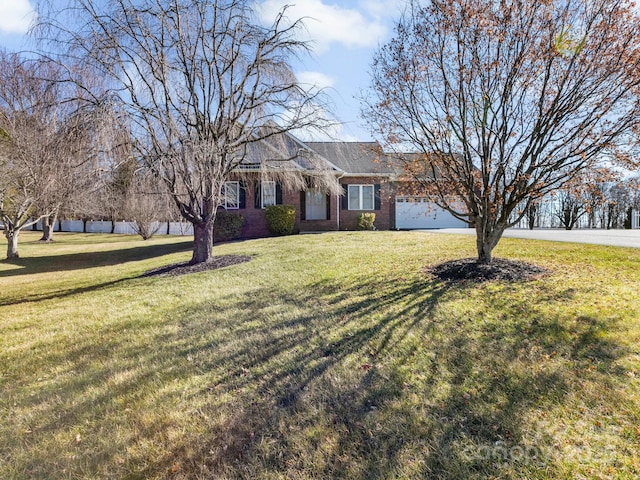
385	216
318	225
255	225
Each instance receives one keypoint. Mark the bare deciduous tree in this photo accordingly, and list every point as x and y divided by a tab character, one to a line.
507	100
45	139
531	214
570	209
146	203
208	91
73	178
618	203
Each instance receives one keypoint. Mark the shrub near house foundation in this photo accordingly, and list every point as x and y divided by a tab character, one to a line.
365	221
227	226
281	219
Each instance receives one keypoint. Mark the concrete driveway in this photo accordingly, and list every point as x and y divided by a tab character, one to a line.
614	238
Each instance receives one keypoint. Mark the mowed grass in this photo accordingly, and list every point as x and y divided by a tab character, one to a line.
325	356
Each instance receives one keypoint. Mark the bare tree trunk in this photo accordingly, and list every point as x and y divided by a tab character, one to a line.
568	219
610	215
12	242
48	224
532	213
487	237
202	242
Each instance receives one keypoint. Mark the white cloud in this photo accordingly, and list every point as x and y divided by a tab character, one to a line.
315	79
332	133
339	132
327	24
16	16
383	8
327	128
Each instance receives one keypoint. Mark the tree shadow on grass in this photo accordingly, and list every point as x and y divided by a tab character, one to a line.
81	261
372	379
366	404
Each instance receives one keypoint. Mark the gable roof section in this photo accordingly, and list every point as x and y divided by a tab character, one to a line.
286	152
355	158
283	152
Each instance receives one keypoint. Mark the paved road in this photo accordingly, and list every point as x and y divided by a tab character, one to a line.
615	238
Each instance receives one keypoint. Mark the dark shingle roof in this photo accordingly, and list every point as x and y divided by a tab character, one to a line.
284	151
351	158
354	157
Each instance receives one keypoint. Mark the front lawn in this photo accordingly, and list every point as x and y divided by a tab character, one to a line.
324	356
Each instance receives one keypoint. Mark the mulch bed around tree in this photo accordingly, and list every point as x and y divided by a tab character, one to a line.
469	270
215	263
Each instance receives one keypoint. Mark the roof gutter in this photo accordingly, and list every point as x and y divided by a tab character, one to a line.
374	175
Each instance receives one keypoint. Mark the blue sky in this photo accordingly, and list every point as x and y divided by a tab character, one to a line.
344	34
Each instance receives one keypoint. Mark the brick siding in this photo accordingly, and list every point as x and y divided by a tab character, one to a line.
255	225
385	216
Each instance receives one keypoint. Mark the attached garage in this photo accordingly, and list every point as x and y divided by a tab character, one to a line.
419	212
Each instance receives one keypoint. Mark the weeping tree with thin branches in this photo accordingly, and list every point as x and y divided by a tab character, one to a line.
506	100
44	140
29	144
207	89
145	202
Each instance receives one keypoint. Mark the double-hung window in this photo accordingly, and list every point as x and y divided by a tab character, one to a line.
268	194
361	197
231	195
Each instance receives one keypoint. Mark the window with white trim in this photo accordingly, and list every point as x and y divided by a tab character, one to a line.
268	193
231	195
361	197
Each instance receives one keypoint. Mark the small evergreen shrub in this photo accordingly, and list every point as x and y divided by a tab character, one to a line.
228	226
281	219
365	221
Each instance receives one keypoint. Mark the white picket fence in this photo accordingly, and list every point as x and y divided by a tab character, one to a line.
124	228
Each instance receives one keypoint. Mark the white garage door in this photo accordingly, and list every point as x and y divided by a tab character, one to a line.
418	212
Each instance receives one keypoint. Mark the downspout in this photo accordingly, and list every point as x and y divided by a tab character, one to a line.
338	203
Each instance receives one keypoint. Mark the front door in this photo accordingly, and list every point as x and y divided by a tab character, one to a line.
315	205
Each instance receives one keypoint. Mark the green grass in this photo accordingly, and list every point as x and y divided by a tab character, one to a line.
325	356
